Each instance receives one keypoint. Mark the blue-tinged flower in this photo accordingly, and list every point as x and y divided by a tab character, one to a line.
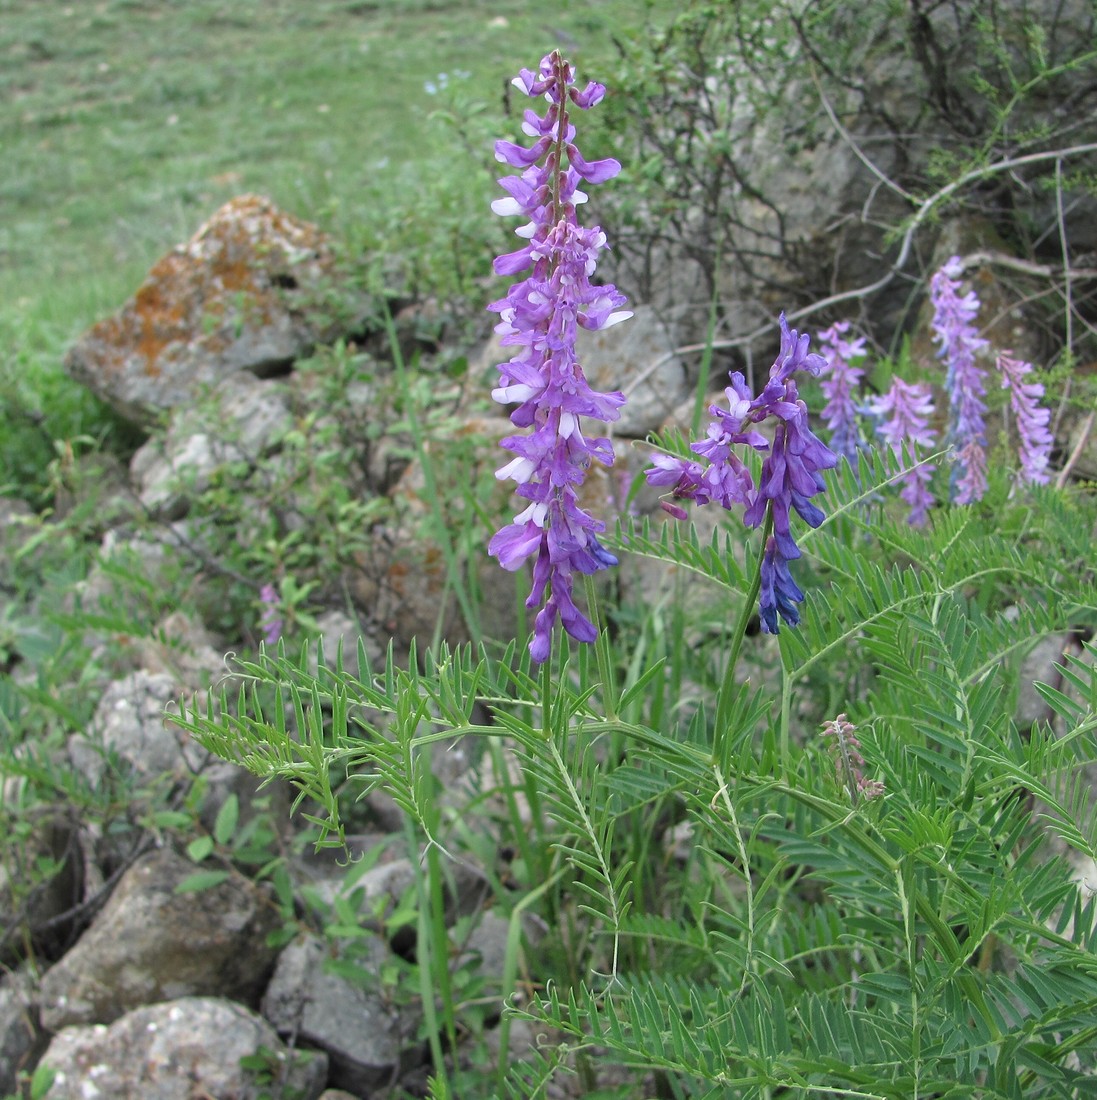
954	329
839	383
791	471
1032	419
779	593
904	412
539	318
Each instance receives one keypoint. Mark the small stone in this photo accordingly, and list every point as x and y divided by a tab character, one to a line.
180	1050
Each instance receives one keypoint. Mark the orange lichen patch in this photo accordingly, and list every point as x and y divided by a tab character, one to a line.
205	306
152	319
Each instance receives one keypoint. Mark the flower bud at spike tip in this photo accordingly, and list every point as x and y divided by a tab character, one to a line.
539	319
954	329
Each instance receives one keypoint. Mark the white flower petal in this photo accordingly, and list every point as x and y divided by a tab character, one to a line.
504	207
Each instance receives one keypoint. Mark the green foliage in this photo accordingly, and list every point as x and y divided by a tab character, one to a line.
921	943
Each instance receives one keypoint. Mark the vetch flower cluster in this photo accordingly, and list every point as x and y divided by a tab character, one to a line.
953	326
1032	419
839	381
539	319
791	471
849	764
904	412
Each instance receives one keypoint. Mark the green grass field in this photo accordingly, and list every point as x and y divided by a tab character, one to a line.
127	122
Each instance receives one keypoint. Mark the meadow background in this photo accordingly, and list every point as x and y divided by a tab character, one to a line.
127	123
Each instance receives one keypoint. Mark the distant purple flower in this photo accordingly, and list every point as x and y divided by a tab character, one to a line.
1032	419
540	317
839	381
953	317
905	411
271	621
791	472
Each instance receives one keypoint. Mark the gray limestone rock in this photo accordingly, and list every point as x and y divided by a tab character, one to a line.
181	1050
367	1038
242	421
129	722
636	357
151	944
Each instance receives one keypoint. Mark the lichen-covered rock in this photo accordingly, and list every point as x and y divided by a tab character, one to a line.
180	1050
151	944
235	297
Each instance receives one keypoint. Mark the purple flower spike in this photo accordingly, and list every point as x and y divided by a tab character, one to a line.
791	471
905	411
539	319
954	329
839	382
270	622
1032	419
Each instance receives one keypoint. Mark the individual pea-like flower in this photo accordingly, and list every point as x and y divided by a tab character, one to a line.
1032	418
791	471
539	318
954	329
839	383
904	413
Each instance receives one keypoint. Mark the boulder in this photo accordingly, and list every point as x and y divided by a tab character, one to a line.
180	1050
235	297
150	943
366	1036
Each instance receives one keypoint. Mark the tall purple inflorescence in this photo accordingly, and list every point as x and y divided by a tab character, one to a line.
905	411
1032	419
839	381
539	317
791	472
953	326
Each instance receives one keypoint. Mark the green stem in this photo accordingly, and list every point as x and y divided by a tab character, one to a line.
727	690
430	958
